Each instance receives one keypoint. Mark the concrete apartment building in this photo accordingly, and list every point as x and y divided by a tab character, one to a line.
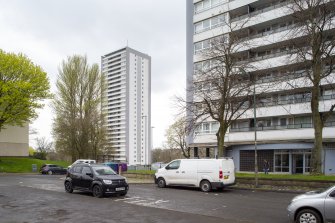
14	141
286	136
128	105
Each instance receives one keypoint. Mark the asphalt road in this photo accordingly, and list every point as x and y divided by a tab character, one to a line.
42	199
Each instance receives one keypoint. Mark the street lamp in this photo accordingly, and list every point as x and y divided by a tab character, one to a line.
145	137
152	142
255	127
255	131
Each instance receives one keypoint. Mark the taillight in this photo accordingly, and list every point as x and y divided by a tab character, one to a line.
220	174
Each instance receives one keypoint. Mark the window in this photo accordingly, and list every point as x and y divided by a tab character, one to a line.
282	161
173	166
77	169
283	122
86	170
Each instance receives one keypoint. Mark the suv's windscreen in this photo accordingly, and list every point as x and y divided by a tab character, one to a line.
103	170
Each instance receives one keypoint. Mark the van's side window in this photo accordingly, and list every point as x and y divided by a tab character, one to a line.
174	165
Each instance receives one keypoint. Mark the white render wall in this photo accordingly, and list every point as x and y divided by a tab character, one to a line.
14	141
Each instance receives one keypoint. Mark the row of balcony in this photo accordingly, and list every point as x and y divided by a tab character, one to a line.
279	127
280	4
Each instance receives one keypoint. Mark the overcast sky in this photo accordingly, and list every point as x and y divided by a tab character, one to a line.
50	31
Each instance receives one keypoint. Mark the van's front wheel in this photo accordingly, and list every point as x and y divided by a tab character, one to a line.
161	182
205	186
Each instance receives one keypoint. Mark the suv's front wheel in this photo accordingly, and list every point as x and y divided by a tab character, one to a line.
97	191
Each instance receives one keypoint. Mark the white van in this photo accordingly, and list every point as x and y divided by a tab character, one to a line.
207	174
82	161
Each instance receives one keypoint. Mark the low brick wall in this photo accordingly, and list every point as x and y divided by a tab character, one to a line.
247	180
138	175
287	182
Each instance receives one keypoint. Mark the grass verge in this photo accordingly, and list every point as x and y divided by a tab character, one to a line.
263	176
24	164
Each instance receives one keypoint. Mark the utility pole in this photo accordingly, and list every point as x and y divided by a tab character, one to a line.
255	131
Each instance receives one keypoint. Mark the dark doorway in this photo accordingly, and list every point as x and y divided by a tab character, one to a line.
297	163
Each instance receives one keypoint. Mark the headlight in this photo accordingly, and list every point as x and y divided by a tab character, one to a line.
107	181
125	179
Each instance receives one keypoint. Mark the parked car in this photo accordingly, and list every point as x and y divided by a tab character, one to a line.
207	174
116	166
313	207
157	165
81	161
52	169
99	179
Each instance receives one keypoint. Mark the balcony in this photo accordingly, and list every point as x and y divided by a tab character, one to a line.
257	12
279	127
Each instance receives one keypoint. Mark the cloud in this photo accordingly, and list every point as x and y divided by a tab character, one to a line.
49	31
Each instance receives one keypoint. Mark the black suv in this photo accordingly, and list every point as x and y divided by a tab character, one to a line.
99	179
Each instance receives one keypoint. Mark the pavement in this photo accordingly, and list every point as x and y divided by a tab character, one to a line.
238	186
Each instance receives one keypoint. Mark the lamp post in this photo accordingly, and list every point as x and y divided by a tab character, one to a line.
255	127
145	137
255	131
152	143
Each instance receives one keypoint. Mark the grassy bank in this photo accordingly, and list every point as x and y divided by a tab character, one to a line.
24	164
263	176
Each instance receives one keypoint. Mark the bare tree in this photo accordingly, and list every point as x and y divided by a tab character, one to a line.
79	123
176	137
221	92
165	155
43	148
43	145
314	42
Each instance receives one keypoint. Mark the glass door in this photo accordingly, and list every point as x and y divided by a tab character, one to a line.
297	163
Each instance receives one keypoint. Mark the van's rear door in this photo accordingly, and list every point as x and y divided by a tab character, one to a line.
228	171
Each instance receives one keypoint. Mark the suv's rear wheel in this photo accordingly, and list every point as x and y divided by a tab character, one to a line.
205	186
97	191
308	215
68	187
161	182
50	172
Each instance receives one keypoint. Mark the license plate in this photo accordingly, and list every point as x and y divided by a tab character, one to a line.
120	188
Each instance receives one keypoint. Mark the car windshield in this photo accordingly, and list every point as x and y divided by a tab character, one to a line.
103	170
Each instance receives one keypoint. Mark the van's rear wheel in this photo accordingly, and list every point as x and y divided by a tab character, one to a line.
161	183
205	186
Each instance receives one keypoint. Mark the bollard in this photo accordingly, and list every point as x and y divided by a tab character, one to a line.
120	169
34	167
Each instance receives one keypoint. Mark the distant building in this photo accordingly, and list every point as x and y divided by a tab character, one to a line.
127	105
284	122
14	141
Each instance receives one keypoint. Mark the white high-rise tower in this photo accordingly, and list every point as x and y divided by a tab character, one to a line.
127	105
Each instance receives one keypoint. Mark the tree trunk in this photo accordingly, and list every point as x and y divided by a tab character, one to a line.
220	135
316	162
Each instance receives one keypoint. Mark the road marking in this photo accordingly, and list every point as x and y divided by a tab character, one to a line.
133	202
127	198
147	202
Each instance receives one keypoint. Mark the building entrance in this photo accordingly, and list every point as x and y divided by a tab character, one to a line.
297	163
